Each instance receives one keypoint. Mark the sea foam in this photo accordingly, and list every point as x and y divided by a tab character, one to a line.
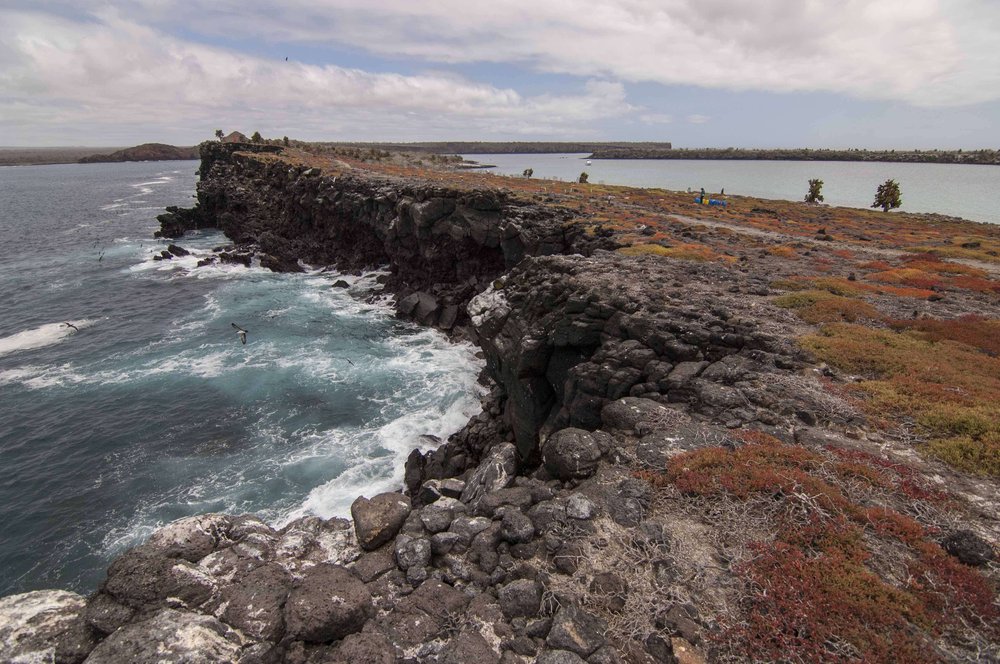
41	336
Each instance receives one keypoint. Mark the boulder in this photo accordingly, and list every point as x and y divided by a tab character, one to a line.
443	543
420	306
255	605
467	527
516	528
437	517
377	521
571	454
364	648
468	647
559	657
490	503
412	552
683	373
170	637
496	471
578	506
628	501
576	630
374	564
627	413
191	538
328	603
969	548
520	598
141	577
607	655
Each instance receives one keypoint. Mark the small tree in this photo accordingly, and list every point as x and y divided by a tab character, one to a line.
256	138
887	196
528	172
815	186
219	134
284	139
583	177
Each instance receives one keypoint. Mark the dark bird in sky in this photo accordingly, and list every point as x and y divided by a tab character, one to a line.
72	326
286	58
240	332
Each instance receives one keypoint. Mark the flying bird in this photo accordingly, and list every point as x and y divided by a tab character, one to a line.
72	326
240	332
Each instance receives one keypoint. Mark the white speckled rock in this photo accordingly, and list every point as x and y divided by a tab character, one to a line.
191	538
490	306
171	637
42	626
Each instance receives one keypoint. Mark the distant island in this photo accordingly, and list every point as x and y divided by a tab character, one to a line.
144	152
640	151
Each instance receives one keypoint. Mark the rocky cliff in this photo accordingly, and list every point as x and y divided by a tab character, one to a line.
595	511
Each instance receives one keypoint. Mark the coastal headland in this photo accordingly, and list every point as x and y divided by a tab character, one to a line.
761	432
82	155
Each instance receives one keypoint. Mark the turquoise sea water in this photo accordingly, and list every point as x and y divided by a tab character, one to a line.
153	410
959	190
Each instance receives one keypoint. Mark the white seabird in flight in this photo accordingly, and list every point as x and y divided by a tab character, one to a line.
241	333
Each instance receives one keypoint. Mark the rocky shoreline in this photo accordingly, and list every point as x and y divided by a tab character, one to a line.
543	530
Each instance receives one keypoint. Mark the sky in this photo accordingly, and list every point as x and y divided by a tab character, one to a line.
881	74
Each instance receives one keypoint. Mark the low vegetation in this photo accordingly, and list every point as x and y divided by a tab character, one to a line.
945	378
820	306
846	575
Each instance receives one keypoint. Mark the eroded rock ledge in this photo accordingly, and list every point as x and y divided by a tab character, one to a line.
532	535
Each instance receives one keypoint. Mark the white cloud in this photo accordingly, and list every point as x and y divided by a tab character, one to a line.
925	52
697	118
115	71
68	64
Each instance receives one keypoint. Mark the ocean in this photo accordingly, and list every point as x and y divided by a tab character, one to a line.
959	190
152	409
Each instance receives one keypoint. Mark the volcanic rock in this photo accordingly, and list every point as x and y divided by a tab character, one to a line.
377	521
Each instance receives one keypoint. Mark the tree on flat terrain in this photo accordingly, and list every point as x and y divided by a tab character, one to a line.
814	195
584	177
887	196
219	134
257	138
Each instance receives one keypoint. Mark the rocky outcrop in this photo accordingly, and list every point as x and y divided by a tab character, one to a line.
502	573
566	335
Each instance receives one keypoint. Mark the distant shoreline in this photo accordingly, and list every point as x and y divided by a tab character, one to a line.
973	157
47	156
16	156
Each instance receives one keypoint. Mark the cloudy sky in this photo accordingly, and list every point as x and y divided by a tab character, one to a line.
749	73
